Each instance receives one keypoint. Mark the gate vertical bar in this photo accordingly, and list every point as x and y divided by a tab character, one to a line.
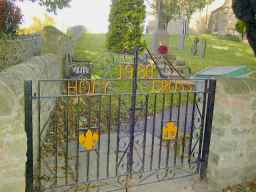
132	112
153	133
39	136
208	127
118	134
192	129
161	132
145	131
77	139
203	115
29	133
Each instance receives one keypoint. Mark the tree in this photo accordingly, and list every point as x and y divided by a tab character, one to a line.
11	17
168	10
188	7
174	8
245	10
126	25
37	25
241	28
52	5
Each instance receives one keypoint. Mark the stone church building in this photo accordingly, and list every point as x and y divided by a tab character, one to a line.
223	20
217	17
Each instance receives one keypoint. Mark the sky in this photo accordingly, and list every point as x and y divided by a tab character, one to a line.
93	14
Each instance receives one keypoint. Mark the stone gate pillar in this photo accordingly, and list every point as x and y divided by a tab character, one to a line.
232	158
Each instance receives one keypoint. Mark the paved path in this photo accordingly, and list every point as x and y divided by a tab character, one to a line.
138	150
189	184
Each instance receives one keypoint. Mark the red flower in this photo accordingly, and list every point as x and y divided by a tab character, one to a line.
163	49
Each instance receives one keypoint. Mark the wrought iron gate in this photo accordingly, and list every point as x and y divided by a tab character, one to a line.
81	138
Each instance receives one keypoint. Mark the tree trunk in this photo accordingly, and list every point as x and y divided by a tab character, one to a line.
155	38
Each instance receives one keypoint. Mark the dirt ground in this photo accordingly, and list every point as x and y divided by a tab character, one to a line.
193	184
190	184
246	187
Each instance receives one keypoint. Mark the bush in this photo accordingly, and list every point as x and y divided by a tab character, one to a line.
126	25
37	25
241	28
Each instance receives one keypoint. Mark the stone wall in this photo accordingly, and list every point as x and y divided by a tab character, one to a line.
233	146
177	26
12	134
19	50
56	42
50	40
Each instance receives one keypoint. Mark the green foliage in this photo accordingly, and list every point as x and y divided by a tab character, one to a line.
245	10
241	27
53	5
5	36
169	10
37	25
126	25
174	8
13	17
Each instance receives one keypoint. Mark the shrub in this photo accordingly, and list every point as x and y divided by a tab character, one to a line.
37	25
126	25
241	28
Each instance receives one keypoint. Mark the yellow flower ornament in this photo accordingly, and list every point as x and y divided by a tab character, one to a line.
89	139
170	131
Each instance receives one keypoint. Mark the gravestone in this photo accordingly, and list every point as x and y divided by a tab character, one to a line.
181	43
194	49
76	32
202	48
80	69
179	26
199	47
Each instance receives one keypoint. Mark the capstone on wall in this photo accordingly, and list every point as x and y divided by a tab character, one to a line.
19	50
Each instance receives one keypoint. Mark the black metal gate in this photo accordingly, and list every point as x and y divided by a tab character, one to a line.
90	135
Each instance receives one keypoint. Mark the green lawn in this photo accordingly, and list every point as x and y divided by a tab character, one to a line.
220	52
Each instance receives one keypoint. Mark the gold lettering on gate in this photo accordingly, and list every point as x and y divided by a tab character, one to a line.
92	87
144	71
167	86
87	87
